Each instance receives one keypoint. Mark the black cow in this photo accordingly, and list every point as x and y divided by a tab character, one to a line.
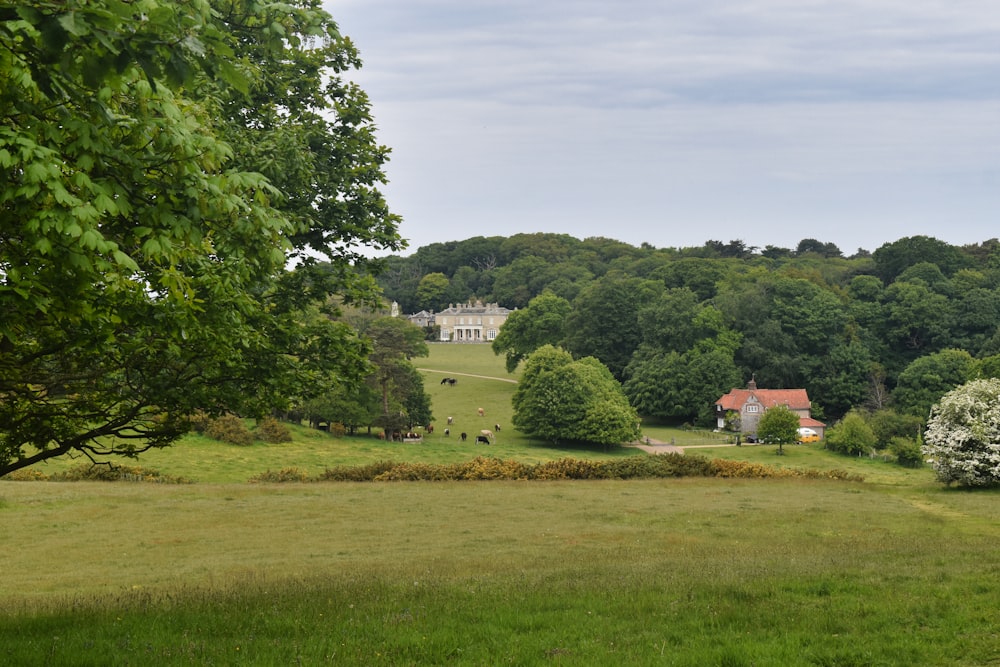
482	439
464	436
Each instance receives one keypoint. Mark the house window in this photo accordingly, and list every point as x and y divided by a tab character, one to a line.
752	408
491	334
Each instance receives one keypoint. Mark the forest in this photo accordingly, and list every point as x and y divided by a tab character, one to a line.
893	328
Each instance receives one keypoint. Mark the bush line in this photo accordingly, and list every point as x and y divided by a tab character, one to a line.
487	468
480	468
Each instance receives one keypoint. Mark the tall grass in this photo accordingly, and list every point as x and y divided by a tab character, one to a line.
682	572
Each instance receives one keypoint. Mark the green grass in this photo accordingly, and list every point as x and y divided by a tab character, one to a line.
680	572
814	457
205	460
896	570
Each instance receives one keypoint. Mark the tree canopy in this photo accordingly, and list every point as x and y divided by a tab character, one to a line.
163	163
778	426
559	399
543	322
844	328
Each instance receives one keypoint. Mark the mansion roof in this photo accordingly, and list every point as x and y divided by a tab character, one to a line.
477	308
795	399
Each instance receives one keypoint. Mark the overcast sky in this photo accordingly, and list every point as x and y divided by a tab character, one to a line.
675	122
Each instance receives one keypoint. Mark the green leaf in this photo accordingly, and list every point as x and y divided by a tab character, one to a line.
124	260
72	24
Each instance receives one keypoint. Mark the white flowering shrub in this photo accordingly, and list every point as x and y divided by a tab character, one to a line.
963	435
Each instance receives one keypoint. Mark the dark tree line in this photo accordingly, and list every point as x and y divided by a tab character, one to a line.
896	327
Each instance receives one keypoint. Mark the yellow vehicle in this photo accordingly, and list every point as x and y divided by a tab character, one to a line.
808	435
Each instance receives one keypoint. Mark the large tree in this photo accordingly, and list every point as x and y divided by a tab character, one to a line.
395	342
543	322
559	399
923	382
162	164
605	319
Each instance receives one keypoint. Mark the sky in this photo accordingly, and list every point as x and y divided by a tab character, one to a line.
675	122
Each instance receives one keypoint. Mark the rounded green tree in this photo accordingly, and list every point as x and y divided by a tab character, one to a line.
779	426
963	435
559	399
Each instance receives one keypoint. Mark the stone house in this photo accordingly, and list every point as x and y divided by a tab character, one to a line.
423	319
471	322
750	403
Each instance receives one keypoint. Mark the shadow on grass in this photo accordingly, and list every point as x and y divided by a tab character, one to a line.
572	448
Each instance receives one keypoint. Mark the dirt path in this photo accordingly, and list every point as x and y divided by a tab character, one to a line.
656	447
468	375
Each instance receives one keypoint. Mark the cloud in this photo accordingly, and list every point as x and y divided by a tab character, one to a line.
662	121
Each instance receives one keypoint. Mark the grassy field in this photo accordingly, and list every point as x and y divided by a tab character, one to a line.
483	382
680	572
896	570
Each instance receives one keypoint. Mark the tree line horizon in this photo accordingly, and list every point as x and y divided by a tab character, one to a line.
678	327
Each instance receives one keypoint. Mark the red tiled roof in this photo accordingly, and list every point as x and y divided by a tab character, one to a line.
809	422
796	399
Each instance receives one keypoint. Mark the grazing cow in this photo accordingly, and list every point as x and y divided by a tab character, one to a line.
464	436
450	420
429	428
486	433
496	427
482	413
445	380
452	382
482	439
447	432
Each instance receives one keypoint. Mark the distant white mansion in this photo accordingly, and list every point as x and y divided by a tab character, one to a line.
471	322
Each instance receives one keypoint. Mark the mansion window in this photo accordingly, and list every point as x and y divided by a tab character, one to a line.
752	408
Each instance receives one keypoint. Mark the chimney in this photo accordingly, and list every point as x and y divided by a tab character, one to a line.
752	384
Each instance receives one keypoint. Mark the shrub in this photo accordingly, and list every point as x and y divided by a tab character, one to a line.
888	424
483	467
963	435
746	469
283	475
851	436
231	429
200	421
25	475
273	431
414	472
363	473
907	452
87	472
337	429
568	469
657	467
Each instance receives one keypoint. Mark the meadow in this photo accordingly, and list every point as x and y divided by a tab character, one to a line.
896	570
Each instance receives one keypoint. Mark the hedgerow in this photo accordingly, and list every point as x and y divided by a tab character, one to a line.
363	473
283	475
97	473
636	467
